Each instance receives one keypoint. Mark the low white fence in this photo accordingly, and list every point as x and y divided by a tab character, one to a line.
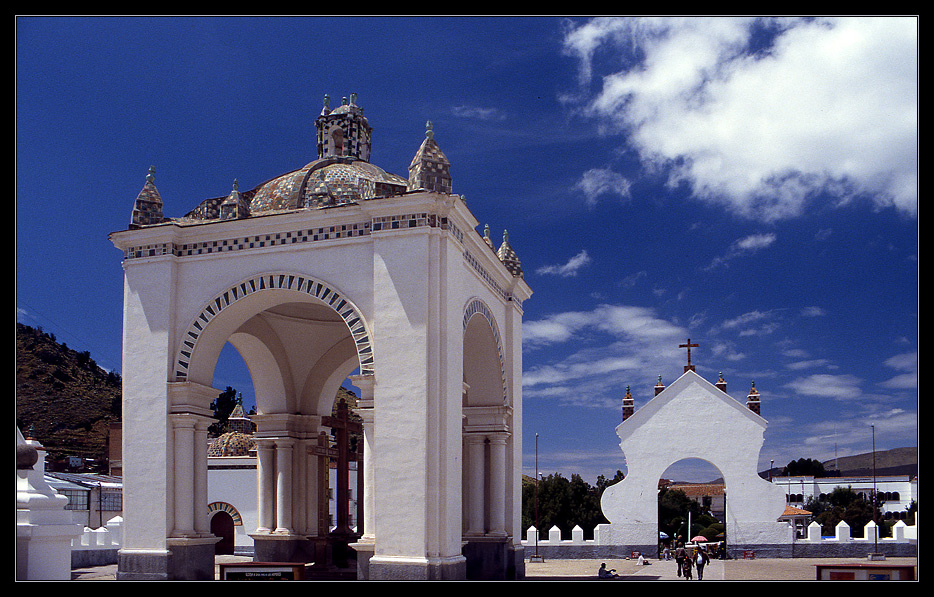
97	547
903	541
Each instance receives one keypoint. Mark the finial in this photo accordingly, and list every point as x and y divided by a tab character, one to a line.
486	230
429	130
236	185
505	236
327	100
151	177
344	101
353	99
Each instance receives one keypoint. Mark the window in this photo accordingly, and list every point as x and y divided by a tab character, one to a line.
77	499
111	501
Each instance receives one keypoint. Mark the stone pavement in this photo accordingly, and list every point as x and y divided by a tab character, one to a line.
770	569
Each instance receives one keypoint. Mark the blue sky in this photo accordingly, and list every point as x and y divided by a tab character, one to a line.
750	184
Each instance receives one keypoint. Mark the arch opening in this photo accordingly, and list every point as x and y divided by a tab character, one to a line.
268	319
691	503
289	344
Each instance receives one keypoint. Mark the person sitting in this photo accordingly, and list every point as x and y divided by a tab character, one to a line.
604	573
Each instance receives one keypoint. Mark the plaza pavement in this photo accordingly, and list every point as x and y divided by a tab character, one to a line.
763	569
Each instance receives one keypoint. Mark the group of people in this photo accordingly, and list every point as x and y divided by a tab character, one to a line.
688	561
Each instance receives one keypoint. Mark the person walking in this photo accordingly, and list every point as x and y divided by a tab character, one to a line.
700	560
686	566
680	556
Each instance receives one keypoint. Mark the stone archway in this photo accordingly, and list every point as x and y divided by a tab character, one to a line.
300	339
307	289
487	439
675	425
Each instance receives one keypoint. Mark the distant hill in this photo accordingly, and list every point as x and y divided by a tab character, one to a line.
63	396
898	461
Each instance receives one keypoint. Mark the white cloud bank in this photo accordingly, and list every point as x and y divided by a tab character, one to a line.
763	115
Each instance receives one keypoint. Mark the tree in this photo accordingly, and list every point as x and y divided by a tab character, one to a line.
603	482
844	504
804	467
673	508
224	404
564	503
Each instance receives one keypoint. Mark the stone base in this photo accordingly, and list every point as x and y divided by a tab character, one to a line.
365	549
489	558
332	557
142	565
401	568
185	559
287	548
517	570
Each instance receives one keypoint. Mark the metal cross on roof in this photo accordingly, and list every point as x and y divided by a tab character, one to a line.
689	366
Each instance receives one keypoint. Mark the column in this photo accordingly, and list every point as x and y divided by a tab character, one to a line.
183	428
202	525
476	445
284	485
299	486
309	494
364	409
266	485
497	472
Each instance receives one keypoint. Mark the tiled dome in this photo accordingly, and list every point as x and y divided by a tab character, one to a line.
326	182
232	444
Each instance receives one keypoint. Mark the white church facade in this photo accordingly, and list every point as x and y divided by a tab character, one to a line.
337	270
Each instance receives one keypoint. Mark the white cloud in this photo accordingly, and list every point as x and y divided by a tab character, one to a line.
568	269
619	341
907	363
826	105
599	181
809	364
477	113
752	323
744	246
754	242
837	387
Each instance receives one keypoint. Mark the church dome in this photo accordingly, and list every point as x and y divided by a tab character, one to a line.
326	182
232	444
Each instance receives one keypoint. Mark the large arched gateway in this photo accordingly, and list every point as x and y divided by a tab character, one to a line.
693	418
336	269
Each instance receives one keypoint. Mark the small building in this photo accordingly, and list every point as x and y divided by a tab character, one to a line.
798	519
92	499
710	496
